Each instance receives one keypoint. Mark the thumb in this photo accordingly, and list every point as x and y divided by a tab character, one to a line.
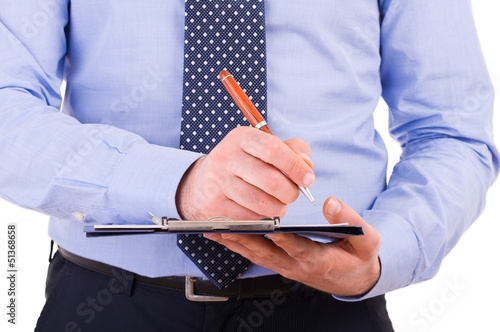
337	212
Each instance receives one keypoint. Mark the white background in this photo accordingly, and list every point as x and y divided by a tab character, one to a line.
462	297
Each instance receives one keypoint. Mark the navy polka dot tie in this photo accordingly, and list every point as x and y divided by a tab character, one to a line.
230	35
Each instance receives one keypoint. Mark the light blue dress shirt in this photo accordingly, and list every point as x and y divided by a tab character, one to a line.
112	154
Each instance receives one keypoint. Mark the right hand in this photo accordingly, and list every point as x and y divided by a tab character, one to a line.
241	178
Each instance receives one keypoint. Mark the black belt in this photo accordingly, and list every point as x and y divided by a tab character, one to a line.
197	289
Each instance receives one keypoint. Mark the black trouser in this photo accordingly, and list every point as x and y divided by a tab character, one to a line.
79	299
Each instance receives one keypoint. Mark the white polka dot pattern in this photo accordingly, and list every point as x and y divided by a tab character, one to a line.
220	34
217	263
230	35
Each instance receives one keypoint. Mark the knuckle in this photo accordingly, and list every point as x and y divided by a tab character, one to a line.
211	183
269	145
234	166
274	147
251	257
307	269
241	134
268	257
223	179
300	254
217	156
236	132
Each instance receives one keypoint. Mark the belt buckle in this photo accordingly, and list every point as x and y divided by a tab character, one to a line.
191	296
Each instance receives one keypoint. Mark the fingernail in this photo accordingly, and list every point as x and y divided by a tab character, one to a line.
308	180
209	236
333	207
228	236
275	237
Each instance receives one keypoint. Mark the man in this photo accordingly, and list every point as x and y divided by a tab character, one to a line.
112	155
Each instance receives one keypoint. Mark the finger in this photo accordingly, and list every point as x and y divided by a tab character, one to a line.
231	244
336	211
254	199
209	201
296	246
225	207
256	248
273	151
264	252
266	177
302	148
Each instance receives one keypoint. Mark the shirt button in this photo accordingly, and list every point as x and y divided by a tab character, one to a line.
78	215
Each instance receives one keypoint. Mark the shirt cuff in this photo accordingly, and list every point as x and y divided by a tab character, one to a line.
399	254
146	181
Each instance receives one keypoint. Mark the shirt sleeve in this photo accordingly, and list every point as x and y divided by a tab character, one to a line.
50	162
440	100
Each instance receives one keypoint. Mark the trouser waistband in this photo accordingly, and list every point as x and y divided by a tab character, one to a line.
247	288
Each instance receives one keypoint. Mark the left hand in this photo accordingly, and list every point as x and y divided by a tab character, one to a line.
349	267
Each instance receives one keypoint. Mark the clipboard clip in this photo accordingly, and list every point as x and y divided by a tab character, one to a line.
221	224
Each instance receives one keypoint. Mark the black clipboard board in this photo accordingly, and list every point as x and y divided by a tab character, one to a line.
220	225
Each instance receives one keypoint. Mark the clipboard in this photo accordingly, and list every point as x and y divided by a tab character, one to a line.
320	233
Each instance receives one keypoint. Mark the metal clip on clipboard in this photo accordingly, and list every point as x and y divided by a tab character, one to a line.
221	224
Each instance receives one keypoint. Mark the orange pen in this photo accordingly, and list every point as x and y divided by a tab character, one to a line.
253	116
